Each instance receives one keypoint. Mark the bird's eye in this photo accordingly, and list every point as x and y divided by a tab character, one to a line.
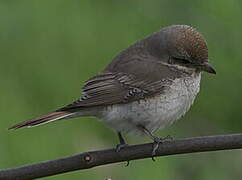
181	60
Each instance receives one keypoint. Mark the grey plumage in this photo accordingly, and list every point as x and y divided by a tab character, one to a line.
143	71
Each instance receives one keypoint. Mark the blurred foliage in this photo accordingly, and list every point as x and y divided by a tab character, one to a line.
49	48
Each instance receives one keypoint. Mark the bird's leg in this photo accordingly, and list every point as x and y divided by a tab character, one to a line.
121	145
122	142
157	140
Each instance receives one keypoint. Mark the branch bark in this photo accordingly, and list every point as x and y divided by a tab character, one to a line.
96	158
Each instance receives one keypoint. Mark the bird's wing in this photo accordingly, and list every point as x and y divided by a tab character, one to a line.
123	83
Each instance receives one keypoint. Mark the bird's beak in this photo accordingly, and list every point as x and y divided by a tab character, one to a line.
208	68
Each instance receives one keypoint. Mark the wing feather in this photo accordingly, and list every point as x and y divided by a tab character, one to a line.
121	84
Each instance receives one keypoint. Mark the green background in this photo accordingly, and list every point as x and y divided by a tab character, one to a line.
49	48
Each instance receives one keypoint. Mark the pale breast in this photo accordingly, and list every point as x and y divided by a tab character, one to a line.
156	112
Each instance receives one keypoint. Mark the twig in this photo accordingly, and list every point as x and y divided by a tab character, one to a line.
96	158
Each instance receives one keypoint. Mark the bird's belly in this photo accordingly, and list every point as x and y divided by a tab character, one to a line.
152	113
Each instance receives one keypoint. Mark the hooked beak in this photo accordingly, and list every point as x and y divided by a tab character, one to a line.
208	68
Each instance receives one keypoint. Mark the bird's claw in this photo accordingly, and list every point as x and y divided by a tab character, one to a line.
120	146
127	164
157	142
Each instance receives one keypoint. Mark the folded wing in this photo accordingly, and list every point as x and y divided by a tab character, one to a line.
115	87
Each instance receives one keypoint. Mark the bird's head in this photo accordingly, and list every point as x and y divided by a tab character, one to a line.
184	47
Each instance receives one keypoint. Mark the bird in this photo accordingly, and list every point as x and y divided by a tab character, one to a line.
146	87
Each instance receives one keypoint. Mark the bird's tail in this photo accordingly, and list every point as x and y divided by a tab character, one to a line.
53	116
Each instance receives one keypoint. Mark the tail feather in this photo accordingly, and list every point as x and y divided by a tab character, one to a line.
43	119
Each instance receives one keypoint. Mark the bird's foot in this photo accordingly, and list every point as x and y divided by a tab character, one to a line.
120	146
157	142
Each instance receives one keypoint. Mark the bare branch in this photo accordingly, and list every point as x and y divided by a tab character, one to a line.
96	158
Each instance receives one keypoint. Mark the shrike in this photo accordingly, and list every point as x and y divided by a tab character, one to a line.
146	87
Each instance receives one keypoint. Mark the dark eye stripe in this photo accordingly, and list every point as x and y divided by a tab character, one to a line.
181	60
